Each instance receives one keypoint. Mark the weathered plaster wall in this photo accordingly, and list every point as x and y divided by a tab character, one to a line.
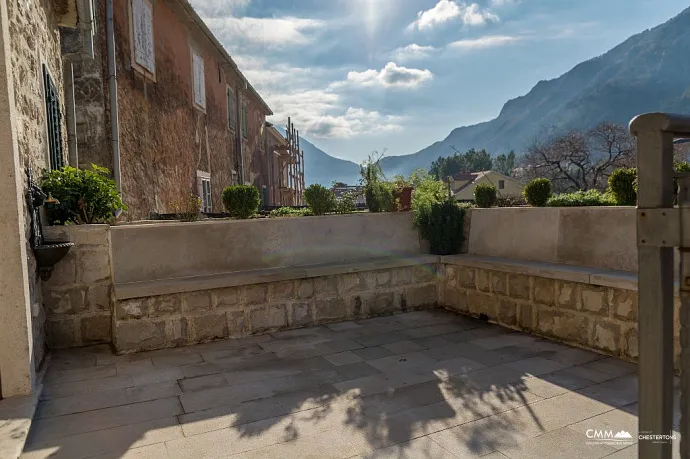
170	250
602	237
34	41
164	139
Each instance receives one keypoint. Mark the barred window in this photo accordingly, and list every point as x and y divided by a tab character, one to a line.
54	120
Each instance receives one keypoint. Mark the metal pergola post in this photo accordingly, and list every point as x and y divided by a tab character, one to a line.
659	230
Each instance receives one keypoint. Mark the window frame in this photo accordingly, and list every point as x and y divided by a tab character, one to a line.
501	184
141	68
245	120
205	191
53	114
195	52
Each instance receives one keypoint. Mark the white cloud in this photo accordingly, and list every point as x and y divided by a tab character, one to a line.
448	10
284	31
488	41
391	75
214	8
412	52
500	3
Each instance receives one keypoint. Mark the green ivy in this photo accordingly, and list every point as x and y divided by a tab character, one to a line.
84	195
441	224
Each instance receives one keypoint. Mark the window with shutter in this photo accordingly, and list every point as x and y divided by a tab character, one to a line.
232	109
245	127
204	187
142	29
199	82
54	120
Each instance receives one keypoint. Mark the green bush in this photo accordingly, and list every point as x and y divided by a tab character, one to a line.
290	212
241	201
623	186
187	208
581	199
485	195
320	199
379	197
537	192
345	204
441	223
84	195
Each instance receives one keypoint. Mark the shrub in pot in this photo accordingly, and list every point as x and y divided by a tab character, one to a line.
319	199
537	192
83	195
623	186
241	201
485	195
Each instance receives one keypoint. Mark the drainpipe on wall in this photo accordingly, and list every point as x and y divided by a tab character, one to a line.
112	79
70	115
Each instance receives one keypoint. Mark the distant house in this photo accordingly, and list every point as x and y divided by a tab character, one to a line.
463	184
340	189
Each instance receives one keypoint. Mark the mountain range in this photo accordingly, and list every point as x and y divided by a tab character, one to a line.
648	72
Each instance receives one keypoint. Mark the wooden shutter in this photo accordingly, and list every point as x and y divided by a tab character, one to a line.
199	83
245	127
142	20
232	109
206	189
54	121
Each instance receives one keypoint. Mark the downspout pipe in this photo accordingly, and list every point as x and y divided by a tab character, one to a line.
112	81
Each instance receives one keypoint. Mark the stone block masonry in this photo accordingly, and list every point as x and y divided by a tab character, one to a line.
599	317
78	296
183	318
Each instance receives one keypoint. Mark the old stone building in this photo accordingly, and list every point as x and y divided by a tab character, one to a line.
38	41
188	121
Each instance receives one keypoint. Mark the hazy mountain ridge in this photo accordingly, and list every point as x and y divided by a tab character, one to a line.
647	72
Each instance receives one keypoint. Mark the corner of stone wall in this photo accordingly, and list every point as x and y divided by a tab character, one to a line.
78	297
595	317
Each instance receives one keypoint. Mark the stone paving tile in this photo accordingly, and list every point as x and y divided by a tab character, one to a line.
576	356
55	376
68	389
613	366
556	383
356	370
261	361
419	448
536	366
256	410
203	382
373	353
430	342
108	442
616	392
470	351
220	354
343	358
99	400
584	371
381	338
479	332
558	444
403	347
72	424
614	420
342	345
246	376
157	451
134	367
349	325
304	352
503	340
431	330
177	360
400	362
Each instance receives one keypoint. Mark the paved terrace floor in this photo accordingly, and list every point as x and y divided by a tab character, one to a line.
416	385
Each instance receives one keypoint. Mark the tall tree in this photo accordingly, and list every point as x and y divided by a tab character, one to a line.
504	163
581	160
470	161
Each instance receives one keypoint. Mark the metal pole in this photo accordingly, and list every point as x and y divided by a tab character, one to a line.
684	204
112	80
655	290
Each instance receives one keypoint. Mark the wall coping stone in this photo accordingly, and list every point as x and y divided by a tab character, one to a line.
142	289
581	274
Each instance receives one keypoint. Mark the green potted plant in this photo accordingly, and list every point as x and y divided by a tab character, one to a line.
402	193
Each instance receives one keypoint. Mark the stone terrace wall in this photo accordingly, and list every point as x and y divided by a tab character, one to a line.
77	297
600	317
185	318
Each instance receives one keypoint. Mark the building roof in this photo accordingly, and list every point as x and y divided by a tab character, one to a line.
221	49
477	175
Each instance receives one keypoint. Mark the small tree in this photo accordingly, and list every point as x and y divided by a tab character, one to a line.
485	195
623	186
241	201
537	192
320	199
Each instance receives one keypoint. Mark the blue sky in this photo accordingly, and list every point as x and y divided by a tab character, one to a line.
364	75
